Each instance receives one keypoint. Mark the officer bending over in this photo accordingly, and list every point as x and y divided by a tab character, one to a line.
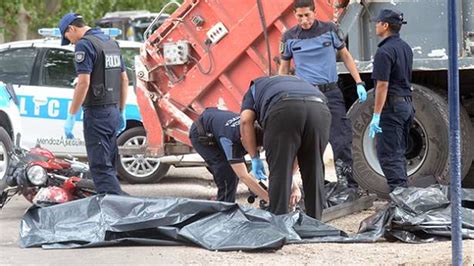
393	109
102	90
296	122
215	135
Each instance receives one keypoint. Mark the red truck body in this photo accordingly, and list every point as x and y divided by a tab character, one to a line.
171	95
208	51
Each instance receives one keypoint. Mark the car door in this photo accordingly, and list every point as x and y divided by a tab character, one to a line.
17	68
45	104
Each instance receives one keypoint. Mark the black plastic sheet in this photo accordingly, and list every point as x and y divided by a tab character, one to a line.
337	193
415	215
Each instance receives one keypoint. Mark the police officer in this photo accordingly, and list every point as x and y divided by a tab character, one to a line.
393	109
312	44
102	90
215	135
296	122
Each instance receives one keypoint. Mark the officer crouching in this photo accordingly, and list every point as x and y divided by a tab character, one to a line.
102	91
215	135
296	122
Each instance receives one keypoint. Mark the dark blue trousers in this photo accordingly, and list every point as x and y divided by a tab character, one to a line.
224	176
100	134
395	121
340	136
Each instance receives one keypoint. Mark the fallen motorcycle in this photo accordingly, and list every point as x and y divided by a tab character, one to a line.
44	179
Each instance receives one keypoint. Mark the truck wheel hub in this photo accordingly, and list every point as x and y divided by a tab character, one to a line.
416	149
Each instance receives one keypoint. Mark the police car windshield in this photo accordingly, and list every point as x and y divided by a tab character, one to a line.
128	55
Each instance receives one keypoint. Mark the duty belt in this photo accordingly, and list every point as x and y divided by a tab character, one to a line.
308	98
327	87
394	98
205	138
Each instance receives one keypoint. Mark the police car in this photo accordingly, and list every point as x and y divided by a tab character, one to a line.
43	74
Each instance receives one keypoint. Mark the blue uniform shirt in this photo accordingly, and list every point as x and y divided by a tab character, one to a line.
393	62
85	55
313	51
266	91
225	126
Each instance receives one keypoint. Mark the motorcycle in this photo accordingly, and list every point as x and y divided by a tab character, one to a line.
44	179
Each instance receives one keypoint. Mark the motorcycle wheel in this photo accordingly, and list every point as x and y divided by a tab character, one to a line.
86	184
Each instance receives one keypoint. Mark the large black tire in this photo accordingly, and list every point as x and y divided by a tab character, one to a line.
6	146
138	169
468	181
428	147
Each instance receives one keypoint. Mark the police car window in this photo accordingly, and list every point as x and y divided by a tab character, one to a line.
128	55
58	68
16	65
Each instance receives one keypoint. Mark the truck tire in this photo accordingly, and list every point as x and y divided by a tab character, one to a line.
138	169
427	154
468	181
6	146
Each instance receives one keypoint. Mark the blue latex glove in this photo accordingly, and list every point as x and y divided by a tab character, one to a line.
69	125
122	124
374	125
361	93
257	169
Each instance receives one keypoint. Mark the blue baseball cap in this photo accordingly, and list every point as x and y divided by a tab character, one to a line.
390	16
64	23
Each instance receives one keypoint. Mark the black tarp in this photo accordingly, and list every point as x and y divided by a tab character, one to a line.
414	215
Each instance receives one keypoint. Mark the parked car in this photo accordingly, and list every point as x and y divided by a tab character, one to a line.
10	126
42	72
132	23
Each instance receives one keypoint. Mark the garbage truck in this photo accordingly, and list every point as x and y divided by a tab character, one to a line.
207	52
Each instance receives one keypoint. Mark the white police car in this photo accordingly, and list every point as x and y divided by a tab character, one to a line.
43	74
10	126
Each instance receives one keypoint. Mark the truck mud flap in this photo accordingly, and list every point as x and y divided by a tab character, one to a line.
125	220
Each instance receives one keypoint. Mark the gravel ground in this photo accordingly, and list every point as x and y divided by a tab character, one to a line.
197	183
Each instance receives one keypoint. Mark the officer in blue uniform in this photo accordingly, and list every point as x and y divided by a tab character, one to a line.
102	91
215	135
312	45
393	108
296	121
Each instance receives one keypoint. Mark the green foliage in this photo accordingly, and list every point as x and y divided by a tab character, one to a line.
91	10
8	7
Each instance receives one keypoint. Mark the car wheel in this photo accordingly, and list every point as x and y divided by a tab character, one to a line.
428	145
6	146
138	169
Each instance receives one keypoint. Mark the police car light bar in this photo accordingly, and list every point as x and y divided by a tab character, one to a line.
54	32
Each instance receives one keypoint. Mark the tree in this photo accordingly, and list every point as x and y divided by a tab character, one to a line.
21	19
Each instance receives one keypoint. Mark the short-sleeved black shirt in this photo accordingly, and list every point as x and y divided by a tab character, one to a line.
225	126
264	92
393	62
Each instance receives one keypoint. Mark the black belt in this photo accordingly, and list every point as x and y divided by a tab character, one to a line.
100	105
395	98
309	98
327	87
